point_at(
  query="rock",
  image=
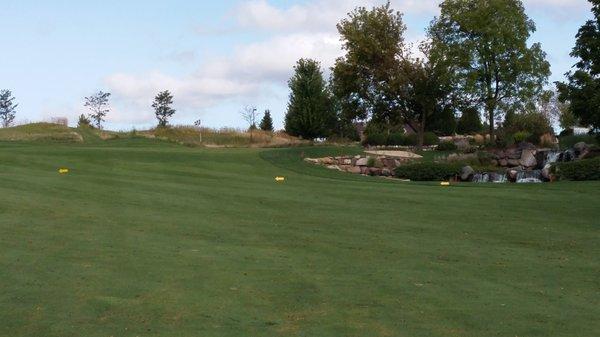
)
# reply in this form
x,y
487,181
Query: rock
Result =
x,y
312,161
547,172
346,161
528,158
591,153
494,162
513,154
362,162
466,174
503,162
328,161
526,146
354,169
512,175
375,171
513,162
386,172
363,169
581,147
462,144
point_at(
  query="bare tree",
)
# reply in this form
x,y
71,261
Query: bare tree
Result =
x,y
98,104
250,115
7,108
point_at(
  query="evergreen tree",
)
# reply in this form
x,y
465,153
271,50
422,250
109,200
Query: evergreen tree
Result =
x,y
266,124
469,122
582,92
310,114
7,108
162,107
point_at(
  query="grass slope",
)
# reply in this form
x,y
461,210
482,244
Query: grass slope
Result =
x,y
145,238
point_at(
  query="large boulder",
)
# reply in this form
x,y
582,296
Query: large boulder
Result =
x,y
513,154
354,169
312,160
513,162
466,174
362,162
503,162
526,146
528,158
328,161
581,147
547,172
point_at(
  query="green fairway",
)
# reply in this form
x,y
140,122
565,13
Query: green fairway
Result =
x,y
144,238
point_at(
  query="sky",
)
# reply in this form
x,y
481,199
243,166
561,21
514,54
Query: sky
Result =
x,y
215,56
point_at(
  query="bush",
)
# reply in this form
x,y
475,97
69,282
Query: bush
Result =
x,y
447,146
568,142
397,138
579,170
521,136
376,139
428,171
430,138
532,123
84,122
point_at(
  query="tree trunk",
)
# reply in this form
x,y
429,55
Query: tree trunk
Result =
x,y
421,138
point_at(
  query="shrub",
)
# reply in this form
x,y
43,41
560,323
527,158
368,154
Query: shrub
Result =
x,y
430,138
397,138
371,162
570,141
428,171
533,123
447,146
521,136
376,139
84,122
582,170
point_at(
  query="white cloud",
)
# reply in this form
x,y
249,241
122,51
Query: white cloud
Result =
x,y
251,70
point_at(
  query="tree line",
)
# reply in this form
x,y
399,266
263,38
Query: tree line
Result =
x,y
476,61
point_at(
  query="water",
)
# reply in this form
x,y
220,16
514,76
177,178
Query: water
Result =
x,y
529,177
498,178
481,178
552,157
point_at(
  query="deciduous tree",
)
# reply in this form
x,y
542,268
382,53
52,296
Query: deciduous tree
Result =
x,y
99,106
367,78
487,41
582,91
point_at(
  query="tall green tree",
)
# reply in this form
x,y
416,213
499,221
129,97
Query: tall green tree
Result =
x,y
99,107
8,108
266,124
487,41
366,80
469,121
582,91
310,114
426,94
162,106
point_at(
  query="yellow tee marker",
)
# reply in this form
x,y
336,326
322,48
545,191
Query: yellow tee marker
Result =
x,y
445,183
279,179
63,171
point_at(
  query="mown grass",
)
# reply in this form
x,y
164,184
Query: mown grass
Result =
x,y
147,238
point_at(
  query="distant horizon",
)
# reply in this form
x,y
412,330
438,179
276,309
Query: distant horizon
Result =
x,y
214,57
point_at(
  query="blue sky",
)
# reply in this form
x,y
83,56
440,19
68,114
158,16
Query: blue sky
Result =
x,y
216,56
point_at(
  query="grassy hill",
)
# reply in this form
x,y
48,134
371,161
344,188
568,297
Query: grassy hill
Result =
x,y
183,135
148,238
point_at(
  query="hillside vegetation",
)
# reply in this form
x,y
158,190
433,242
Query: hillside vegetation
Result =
x,y
149,238
190,136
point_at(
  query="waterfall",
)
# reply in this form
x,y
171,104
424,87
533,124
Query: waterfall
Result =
x,y
525,177
498,178
481,178
552,157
